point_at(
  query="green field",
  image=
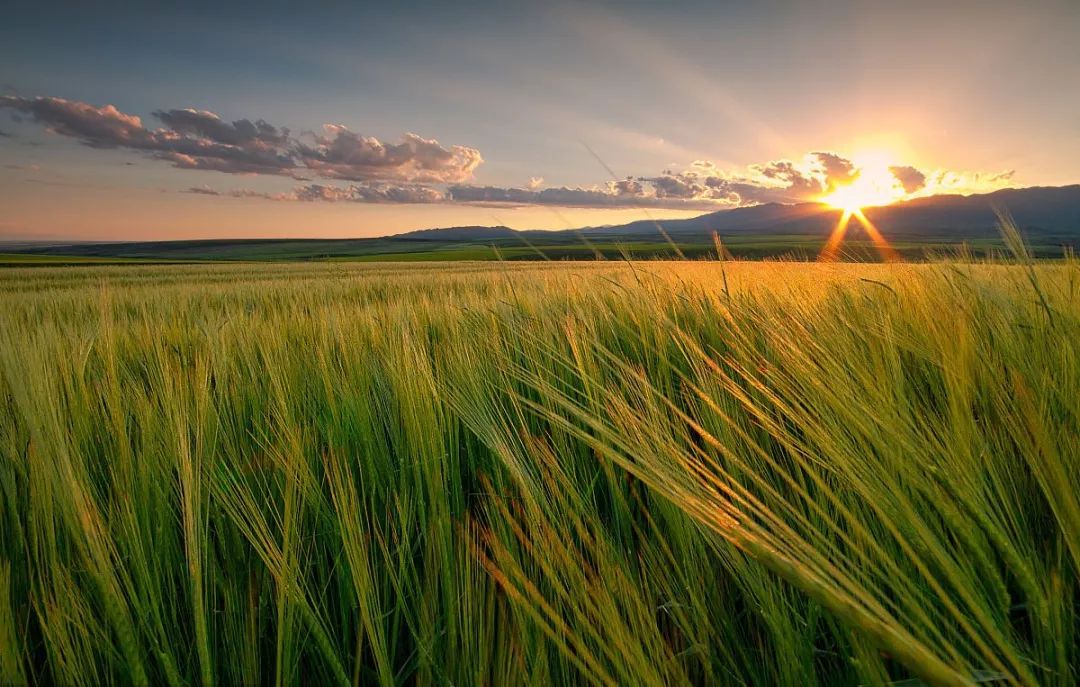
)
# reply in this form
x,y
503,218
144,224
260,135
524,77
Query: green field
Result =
x,y
32,260
654,473
554,246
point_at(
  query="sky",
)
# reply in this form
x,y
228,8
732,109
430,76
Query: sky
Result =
x,y
131,121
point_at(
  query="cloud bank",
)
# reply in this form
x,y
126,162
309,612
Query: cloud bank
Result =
x,y
369,192
418,170
198,139
342,154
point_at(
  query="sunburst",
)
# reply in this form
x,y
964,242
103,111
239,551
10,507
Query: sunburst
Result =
x,y
873,185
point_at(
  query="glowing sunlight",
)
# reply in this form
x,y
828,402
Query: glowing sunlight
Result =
x,y
831,251
874,184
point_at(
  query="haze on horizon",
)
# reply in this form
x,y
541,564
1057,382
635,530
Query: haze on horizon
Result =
x,y
340,119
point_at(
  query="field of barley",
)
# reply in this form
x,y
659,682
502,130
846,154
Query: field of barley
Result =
x,y
540,474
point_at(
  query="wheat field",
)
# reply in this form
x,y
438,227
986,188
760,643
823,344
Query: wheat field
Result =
x,y
655,473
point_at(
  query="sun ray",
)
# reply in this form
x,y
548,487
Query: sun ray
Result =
x,y
829,252
884,248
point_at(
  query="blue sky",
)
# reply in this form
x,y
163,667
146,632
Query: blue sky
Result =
x,y
972,95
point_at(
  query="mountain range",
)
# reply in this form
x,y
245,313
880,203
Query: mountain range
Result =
x,y
1053,210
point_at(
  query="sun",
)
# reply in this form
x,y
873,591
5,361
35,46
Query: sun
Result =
x,y
874,184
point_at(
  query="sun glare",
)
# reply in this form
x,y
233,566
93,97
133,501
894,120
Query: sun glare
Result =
x,y
874,185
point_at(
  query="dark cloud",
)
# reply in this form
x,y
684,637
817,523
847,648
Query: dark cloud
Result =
x,y
198,139
910,178
343,154
240,193
617,194
4,134
629,193
229,149
355,193
629,187
371,193
703,186
493,194
208,125
331,194
608,196
97,127
670,185
837,170
215,157
696,184
391,193
779,181
417,169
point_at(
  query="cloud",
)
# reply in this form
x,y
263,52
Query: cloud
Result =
x,y
616,194
371,192
342,154
627,193
817,174
787,181
208,125
201,140
393,193
779,181
240,193
949,181
197,144
421,170
836,170
463,193
214,157
910,178
704,185
629,187
4,134
670,185
97,127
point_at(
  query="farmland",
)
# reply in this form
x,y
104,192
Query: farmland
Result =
x,y
610,472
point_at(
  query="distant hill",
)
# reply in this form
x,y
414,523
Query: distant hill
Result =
x,y
1048,216
1046,211
474,233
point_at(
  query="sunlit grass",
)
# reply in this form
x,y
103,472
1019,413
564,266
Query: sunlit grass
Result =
x,y
648,473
